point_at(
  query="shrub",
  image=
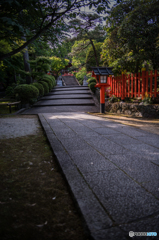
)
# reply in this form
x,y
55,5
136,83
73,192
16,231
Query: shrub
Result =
x,y
49,82
91,79
114,99
92,86
45,86
25,92
46,76
89,75
80,75
39,86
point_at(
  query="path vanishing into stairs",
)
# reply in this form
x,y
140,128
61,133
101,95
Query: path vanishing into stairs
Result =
x,y
70,98
112,169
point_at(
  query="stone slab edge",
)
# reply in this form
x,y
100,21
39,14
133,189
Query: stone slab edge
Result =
x,y
95,100
97,222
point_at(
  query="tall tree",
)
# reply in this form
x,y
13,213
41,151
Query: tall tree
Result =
x,y
132,28
33,18
88,29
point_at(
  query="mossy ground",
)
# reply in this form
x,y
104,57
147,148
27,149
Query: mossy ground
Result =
x,y
35,203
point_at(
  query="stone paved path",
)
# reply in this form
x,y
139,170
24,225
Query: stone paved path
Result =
x,y
112,170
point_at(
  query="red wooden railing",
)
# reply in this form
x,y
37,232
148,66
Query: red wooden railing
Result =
x,y
134,85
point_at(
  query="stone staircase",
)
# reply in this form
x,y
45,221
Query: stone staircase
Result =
x,y
70,80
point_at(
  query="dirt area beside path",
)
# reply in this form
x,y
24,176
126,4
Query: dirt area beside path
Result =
x,y
147,124
35,203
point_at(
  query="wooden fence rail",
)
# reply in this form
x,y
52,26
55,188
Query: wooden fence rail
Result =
x,y
134,85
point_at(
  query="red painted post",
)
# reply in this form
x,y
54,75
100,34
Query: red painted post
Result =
x,y
113,86
143,83
135,90
118,87
110,85
102,99
147,77
132,85
138,84
151,84
121,86
155,88
129,85
122,94
125,82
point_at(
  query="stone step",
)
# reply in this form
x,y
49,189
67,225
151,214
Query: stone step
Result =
x,y
70,96
61,102
69,89
70,80
59,109
70,92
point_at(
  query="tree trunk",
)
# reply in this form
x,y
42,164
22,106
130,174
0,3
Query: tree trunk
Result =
x,y
26,64
95,53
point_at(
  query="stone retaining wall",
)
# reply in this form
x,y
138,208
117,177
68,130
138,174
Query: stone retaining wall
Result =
x,y
133,109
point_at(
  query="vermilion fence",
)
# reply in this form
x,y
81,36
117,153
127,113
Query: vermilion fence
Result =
x,y
134,85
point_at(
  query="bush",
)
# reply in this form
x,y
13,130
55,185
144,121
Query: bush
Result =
x,y
49,82
89,75
91,79
114,99
39,86
92,86
25,92
80,75
46,76
45,86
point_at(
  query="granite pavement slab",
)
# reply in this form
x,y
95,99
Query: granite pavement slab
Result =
x,y
122,197
111,172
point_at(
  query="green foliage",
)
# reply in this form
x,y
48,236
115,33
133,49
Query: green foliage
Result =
x,y
87,34
45,86
50,78
26,93
57,64
80,75
39,86
92,86
10,91
114,99
91,79
45,20
40,66
132,31
89,75
147,99
79,52
49,82
90,58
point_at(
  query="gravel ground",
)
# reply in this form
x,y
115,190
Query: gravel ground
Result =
x,y
18,126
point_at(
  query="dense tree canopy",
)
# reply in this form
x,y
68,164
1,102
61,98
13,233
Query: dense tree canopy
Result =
x,y
132,28
87,30
35,18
